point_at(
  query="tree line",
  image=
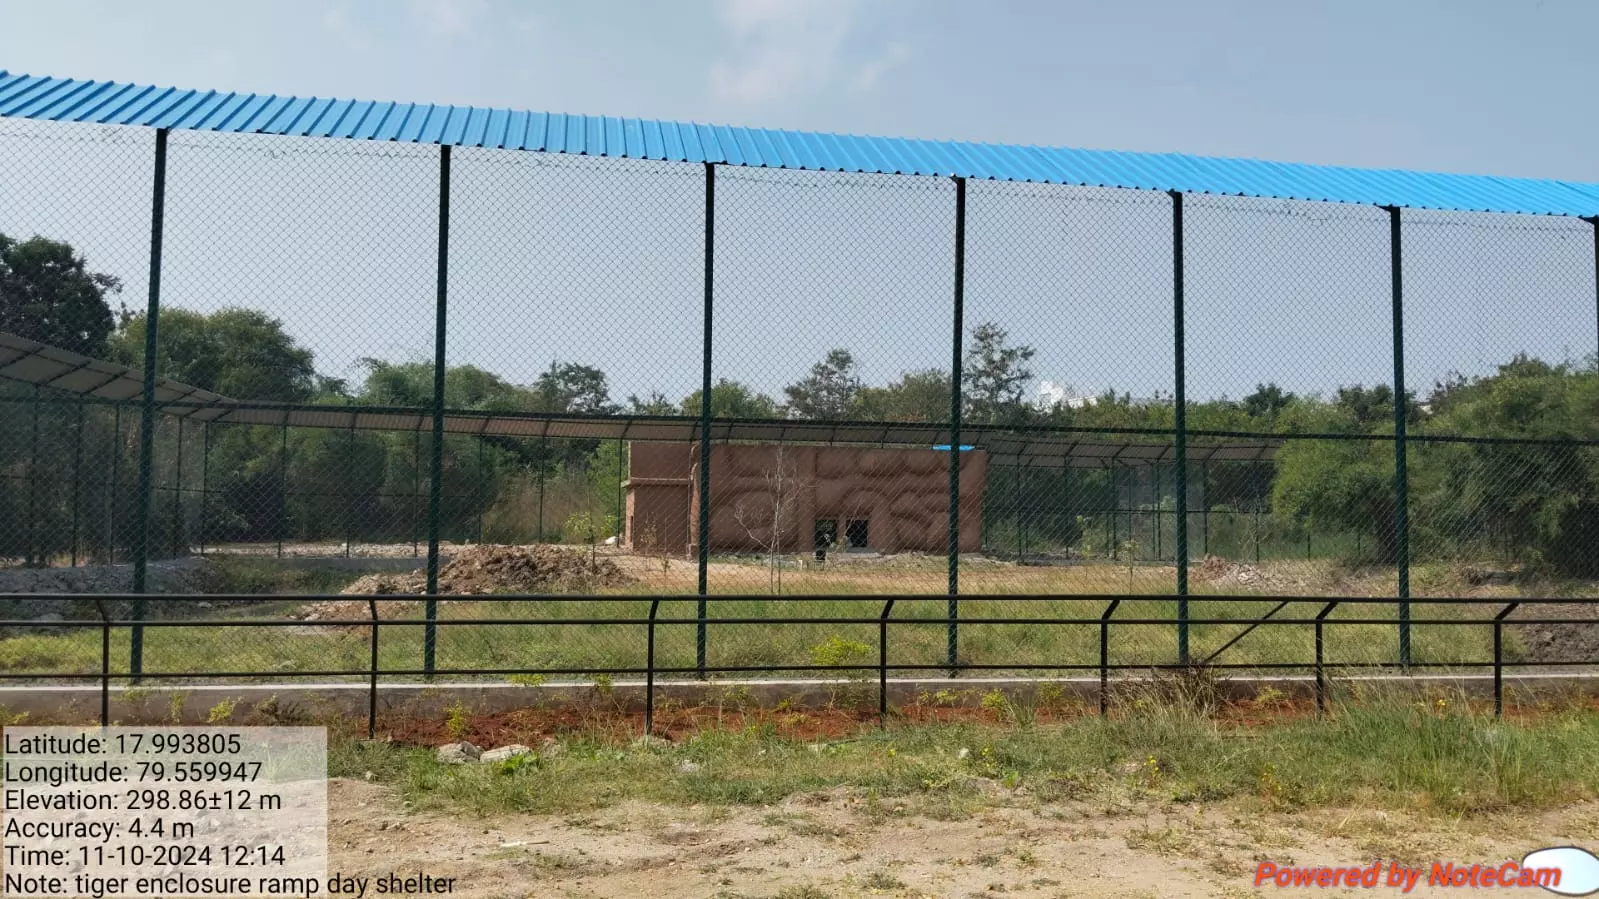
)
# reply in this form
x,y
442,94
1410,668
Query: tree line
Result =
x,y
1536,502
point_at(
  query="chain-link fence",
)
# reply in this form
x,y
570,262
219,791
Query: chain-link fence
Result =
x,y
386,368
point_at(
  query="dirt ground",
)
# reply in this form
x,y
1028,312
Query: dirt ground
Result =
x,y
840,844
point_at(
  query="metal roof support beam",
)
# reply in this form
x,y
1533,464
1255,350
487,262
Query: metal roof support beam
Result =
x,y
141,530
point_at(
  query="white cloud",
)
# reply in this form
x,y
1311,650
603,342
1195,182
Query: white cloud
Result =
x,y
447,18
782,47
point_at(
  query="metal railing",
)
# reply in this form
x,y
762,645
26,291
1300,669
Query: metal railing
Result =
x,y
883,620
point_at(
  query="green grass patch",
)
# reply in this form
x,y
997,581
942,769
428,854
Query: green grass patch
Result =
x,y
1380,752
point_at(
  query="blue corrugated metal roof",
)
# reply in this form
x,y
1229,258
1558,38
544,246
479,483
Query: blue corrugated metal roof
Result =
x,y
110,103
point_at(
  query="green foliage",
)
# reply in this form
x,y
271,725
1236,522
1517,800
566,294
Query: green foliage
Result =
x,y
48,294
730,399
996,376
829,391
243,354
917,396
837,652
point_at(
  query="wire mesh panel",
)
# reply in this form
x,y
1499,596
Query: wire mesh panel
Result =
x,y
300,310
1069,333
74,249
1500,340
832,301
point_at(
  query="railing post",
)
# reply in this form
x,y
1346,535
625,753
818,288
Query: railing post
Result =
x,y
1401,461
882,663
430,634
1321,680
152,316
703,531
1180,407
649,671
1104,657
105,662
1499,665
372,687
952,635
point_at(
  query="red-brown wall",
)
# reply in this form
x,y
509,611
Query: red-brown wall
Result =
x,y
756,489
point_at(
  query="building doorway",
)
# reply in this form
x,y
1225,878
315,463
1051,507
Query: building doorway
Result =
x,y
826,536
857,533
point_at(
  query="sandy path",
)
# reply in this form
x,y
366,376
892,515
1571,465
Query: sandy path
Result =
x,y
837,845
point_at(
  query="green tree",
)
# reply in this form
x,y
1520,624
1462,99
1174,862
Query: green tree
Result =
x,y
918,396
996,377
730,399
48,294
572,388
244,354
829,391
1267,401
654,404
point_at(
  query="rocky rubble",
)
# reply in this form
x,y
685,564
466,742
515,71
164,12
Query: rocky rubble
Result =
x,y
478,571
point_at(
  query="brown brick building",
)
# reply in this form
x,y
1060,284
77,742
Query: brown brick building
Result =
x,y
884,500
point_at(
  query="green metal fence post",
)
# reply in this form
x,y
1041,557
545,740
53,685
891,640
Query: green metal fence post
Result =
x,y
703,530
350,496
1593,222
113,511
1401,484
77,483
481,494
1115,513
416,491
1180,405
141,533
205,479
35,552
435,489
544,459
283,482
621,504
952,635
1016,512
177,498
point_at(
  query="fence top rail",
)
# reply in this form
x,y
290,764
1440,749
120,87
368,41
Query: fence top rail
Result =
x,y
792,598
319,119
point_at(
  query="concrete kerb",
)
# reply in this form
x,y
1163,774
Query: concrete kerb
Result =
x,y
207,703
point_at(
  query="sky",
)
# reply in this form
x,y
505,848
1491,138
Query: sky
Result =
x,y
340,245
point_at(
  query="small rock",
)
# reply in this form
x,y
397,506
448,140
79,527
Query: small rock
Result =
x,y
551,748
368,776
458,753
688,767
506,753
964,752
